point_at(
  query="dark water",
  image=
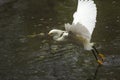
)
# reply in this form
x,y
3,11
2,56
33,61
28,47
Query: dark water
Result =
x,y
28,53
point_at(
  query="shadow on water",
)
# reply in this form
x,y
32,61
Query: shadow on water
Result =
x,y
28,53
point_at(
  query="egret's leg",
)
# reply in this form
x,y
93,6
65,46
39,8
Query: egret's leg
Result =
x,y
94,53
99,54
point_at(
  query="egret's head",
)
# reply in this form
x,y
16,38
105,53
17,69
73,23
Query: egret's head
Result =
x,y
58,35
55,32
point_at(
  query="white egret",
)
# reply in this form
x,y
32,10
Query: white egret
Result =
x,y
84,20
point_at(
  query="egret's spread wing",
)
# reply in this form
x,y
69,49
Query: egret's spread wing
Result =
x,y
86,14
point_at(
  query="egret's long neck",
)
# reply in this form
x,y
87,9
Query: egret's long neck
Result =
x,y
61,37
58,35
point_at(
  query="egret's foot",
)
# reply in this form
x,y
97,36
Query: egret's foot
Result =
x,y
101,56
100,62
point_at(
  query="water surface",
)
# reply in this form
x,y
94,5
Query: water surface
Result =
x,y
28,53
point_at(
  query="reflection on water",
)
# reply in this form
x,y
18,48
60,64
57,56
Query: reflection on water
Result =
x,y
28,53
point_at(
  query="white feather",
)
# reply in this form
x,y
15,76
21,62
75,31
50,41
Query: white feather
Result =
x,y
86,14
82,26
